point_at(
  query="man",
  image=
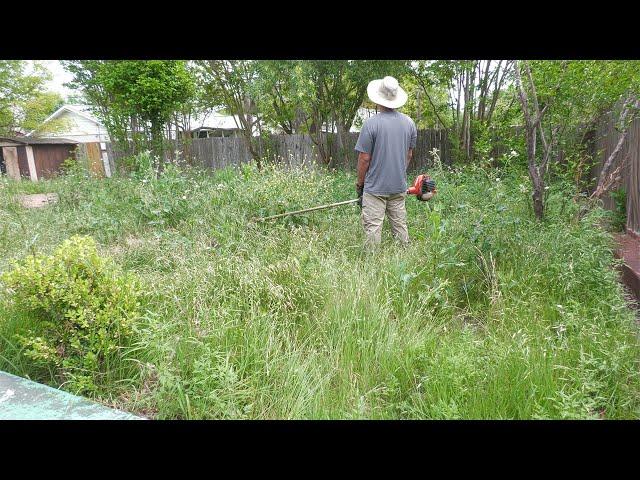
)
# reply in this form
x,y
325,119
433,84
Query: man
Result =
x,y
385,147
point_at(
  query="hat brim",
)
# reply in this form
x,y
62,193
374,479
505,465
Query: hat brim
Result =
x,y
374,95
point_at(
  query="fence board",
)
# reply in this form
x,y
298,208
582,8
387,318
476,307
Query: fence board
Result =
x,y
605,142
289,150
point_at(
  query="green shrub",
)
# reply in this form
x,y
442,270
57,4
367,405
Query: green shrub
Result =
x,y
166,200
68,165
84,312
76,169
487,314
140,165
619,220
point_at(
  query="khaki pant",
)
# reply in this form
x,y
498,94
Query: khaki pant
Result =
x,y
374,208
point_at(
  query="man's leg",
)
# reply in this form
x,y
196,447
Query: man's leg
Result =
x,y
397,215
373,208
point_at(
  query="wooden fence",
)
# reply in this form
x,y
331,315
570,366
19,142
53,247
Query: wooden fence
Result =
x,y
291,150
294,150
605,141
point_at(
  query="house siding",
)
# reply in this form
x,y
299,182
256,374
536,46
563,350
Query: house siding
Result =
x,y
80,129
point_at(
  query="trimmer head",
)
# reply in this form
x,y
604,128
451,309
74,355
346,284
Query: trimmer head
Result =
x,y
424,188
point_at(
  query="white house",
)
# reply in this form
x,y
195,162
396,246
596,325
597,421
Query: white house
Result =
x,y
215,124
361,115
79,125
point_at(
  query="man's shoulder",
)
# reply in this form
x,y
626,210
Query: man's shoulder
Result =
x,y
407,118
371,120
370,123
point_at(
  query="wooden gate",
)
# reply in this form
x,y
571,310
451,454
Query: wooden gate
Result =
x,y
91,154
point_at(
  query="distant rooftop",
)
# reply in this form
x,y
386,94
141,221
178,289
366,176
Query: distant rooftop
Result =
x,y
215,120
82,109
38,141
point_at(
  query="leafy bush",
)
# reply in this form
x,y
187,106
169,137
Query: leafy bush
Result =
x,y
84,311
486,314
70,166
619,220
141,164
166,200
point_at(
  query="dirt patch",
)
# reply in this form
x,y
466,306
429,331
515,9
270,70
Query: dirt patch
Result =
x,y
628,249
37,200
134,242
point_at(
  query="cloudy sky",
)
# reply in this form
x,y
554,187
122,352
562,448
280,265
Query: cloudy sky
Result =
x,y
60,76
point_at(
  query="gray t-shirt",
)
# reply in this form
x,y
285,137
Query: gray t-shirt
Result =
x,y
387,137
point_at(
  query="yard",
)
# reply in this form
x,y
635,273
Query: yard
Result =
x,y
488,314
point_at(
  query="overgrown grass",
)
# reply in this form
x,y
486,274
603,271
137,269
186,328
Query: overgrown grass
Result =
x,y
487,314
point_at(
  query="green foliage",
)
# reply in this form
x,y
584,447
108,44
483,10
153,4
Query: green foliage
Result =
x,y
275,91
153,89
427,104
166,201
486,314
73,168
85,312
619,197
337,88
141,165
562,102
141,93
465,96
577,92
41,107
23,101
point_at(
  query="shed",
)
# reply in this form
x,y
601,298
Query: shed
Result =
x,y
34,158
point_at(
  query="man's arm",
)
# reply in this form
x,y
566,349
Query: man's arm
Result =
x,y
409,157
364,159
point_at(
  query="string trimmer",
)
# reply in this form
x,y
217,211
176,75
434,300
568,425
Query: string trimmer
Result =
x,y
424,188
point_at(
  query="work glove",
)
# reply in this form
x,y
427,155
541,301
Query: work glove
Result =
x,y
360,191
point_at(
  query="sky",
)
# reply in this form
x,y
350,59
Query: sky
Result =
x,y
60,76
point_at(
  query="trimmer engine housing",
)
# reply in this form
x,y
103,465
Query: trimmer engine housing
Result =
x,y
424,188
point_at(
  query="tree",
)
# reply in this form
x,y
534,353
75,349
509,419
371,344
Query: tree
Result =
x,y
332,91
37,109
89,78
561,102
533,116
135,96
154,89
23,99
474,88
274,91
607,178
228,84
297,96
580,94
427,103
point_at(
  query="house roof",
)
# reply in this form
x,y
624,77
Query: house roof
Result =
x,y
215,120
82,110
361,115
38,141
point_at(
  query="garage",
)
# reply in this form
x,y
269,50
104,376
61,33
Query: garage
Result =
x,y
34,158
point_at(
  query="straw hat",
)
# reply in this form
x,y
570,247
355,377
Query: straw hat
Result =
x,y
387,92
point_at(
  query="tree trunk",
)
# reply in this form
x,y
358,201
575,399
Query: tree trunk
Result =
x,y
605,171
158,144
537,195
341,133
